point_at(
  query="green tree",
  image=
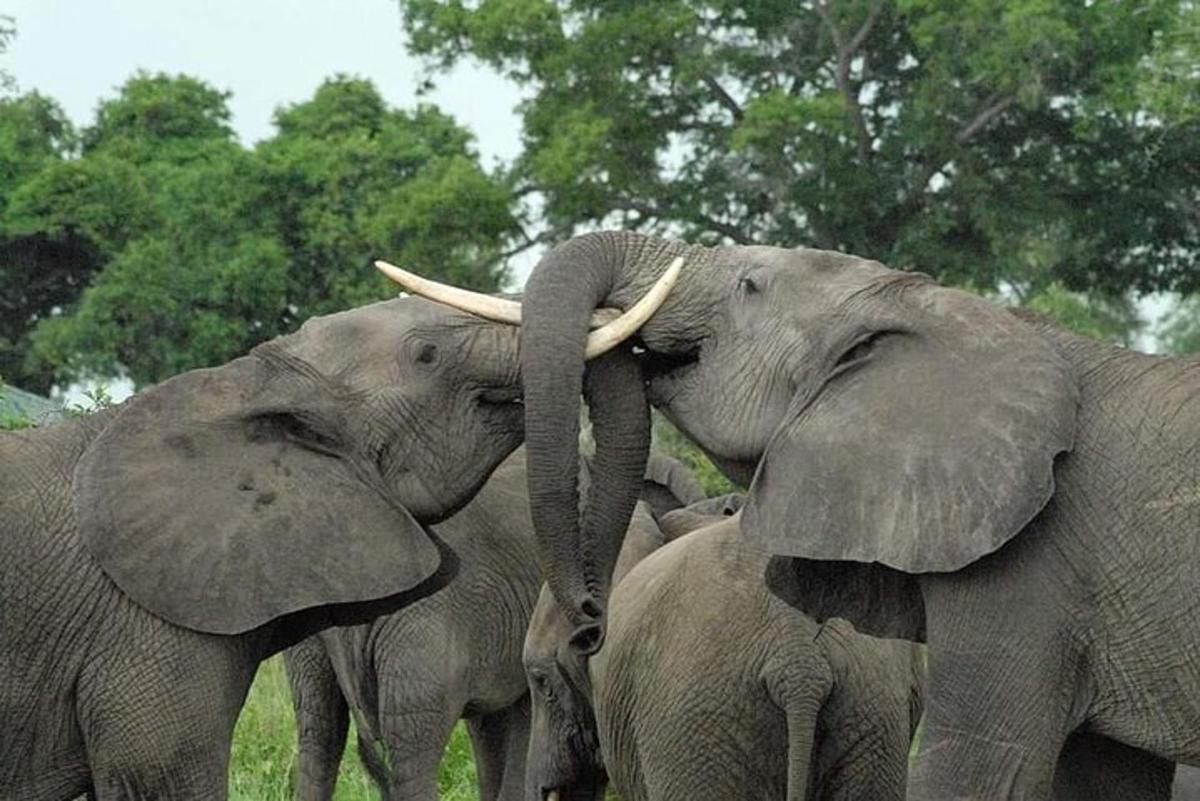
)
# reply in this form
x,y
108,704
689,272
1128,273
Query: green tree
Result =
x,y
351,180
8,32
1104,317
1168,78
42,268
160,118
75,202
997,143
209,248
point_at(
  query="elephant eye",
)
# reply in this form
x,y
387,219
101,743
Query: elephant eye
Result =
x,y
541,685
296,428
427,353
748,286
863,348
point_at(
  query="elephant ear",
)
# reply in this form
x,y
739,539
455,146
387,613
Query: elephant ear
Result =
x,y
928,453
206,505
668,485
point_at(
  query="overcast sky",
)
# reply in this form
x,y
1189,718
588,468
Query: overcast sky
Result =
x,y
267,52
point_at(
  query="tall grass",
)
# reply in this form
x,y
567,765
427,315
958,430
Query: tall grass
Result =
x,y
263,761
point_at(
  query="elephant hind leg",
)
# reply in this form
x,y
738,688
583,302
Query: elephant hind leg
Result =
x,y
415,721
322,719
499,741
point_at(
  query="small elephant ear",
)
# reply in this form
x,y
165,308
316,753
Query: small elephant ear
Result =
x,y
202,508
641,539
679,522
669,485
933,451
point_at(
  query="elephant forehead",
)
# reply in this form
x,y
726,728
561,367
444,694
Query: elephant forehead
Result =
x,y
368,334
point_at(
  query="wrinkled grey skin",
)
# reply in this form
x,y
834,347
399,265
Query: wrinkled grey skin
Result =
x,y
409,676
708,687
1028,491
345,437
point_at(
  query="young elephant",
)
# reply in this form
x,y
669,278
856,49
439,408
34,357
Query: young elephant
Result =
x,y
411,675
708,687
153,554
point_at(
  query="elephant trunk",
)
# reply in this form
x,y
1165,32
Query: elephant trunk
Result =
x,y
567,285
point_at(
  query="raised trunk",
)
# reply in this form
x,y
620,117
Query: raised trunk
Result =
x,y
587,272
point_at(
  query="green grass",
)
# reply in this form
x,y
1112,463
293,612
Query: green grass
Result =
x,y
263,761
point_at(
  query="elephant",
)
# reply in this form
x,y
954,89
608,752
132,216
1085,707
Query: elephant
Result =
x,y
709,687
409,676
152,554
976,477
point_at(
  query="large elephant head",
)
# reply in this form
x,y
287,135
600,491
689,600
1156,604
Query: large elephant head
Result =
x,y
301,476
875,416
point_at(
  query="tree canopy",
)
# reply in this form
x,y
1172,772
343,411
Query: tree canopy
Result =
x,y
1023,144
152,242
1044,150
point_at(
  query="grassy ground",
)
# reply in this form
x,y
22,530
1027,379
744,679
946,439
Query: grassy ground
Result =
x,y
263,763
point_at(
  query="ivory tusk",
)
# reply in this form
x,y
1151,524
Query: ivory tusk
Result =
x,y
552,795
614,333
486,306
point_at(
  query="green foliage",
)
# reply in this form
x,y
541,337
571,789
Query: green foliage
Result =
x,y
94,400
263,759
1096,316
1179,329
994,143
12,421
8,32
669,439
1168,80
155,243
160,116
40,270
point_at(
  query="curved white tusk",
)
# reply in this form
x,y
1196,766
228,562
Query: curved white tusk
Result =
x,y
492,308
608,337
552,795
499,309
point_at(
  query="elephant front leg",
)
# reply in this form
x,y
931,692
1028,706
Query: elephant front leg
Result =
x,y
1002,696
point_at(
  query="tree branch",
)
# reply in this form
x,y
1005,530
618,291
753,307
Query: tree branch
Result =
x,y
992,109
724,229
723,97
845,55
865,30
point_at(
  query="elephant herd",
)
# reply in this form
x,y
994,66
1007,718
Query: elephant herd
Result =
x,y
957,515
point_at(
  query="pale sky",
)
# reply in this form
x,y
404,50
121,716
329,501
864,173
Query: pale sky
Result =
x,y
267,52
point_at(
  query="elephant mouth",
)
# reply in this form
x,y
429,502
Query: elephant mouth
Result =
x,y
668,374
503,407
502,396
